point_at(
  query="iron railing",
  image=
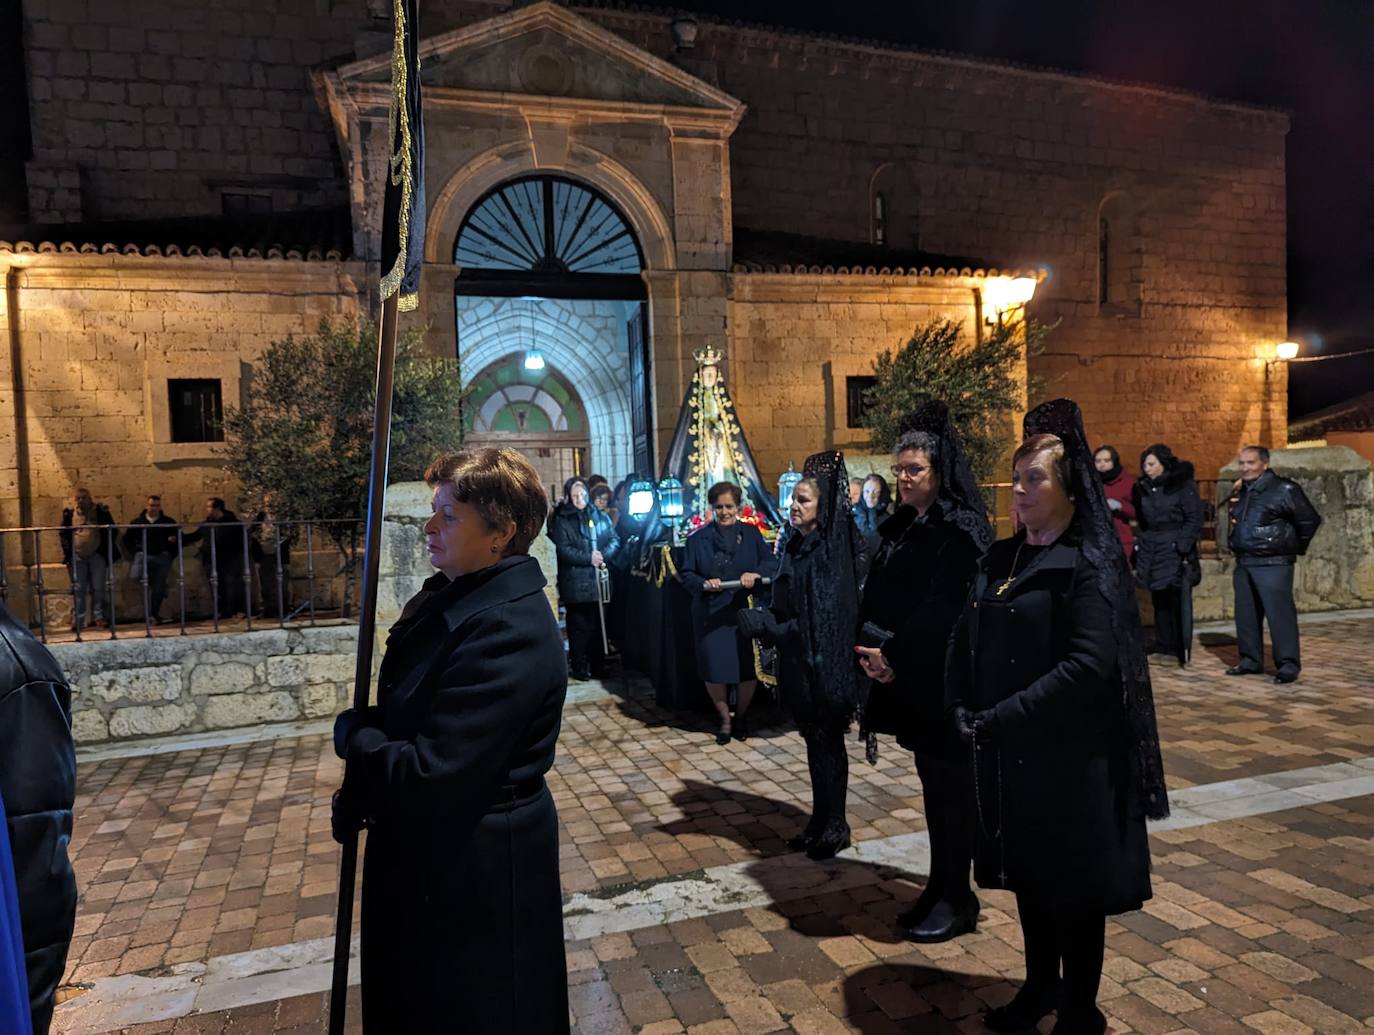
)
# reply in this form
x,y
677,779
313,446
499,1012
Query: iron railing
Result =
x,y
299,572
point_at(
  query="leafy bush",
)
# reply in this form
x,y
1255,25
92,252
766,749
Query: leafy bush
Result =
x,y
304,431
976,379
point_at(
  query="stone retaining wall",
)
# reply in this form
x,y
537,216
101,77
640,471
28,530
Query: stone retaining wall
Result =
x,y
131,688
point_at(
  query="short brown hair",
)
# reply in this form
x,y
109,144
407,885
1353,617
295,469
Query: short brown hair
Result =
x,y
720,489
500,485
1059,457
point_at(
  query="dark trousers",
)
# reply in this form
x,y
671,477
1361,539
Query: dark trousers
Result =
x,y
1076,940
268,581
158,567
1266,592
584,639
945,788
229,592
829,765
1167,616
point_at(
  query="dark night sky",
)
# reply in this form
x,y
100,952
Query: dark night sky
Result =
x,y
1313,58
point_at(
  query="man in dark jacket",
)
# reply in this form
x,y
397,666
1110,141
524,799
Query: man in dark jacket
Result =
x,y
152,543
1272,523
38,785
224,562
88,550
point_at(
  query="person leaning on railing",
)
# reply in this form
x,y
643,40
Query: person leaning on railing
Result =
x,y
221,556
88,550
269,544
151,540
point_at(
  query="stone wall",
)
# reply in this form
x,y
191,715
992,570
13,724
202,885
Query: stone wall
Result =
x,y
1337,571
1015,167
92,341
795,338
132,688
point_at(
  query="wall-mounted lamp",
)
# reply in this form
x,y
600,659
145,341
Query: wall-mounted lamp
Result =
x,y
1287,350
1003,294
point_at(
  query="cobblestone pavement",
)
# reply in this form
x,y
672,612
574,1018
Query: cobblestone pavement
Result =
x,y
1263,916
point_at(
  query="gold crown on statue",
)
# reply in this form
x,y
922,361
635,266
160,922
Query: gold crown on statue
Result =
x,y
708,357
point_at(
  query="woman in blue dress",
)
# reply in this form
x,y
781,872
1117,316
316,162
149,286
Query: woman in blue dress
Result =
x,y
726,550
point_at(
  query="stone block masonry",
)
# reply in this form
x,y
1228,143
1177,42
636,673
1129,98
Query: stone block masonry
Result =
x,y
132,688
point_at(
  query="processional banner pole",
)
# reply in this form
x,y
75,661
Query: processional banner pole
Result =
x,y
402,250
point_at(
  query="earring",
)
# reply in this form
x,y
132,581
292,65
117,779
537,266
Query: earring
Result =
x,y
495,548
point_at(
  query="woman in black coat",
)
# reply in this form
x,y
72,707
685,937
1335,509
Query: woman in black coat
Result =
x,y
814,622
584,540
1047,678
917,584
1169,513
726,550
462,918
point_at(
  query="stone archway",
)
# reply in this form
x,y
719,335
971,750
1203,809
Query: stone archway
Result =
x,y
574,338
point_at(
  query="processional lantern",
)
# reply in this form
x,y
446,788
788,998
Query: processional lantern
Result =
x,y
786,484
641,499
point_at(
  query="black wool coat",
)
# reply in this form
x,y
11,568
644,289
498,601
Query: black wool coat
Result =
x,y
1169,512
724,655
462,914
1052,815
573,543
38,785
918,583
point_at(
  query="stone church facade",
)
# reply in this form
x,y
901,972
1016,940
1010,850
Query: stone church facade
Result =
x,y
803,201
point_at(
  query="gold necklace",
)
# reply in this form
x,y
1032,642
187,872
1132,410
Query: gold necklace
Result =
x,y
1011,576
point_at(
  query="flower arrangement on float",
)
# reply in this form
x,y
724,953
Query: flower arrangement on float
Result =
x,y
747,514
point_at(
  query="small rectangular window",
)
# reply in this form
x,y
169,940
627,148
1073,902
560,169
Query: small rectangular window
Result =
x,y
856,403
196,406
235,204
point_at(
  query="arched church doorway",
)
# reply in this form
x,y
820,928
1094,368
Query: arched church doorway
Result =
x,y
531,407
550,281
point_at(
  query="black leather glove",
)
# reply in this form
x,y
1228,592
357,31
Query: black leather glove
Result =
x,y
349,722
345,818
987,726
964,724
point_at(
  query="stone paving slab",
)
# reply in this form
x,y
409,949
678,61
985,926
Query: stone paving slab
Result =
x,y
186,857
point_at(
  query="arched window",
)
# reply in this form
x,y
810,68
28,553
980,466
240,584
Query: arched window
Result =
x,y
513,397
547,224
879,217
1119,257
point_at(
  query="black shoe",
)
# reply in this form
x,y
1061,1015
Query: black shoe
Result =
x,y
1025,1010
579,675
741,728
1093,1022
919,909
801,842
943,923
1244,670
1286,675
829,844
723,737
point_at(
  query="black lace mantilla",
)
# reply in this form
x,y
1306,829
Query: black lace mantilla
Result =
x,y
963,502
830,624
1100,546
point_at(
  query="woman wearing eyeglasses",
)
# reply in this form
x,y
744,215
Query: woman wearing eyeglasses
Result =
x,y
926,558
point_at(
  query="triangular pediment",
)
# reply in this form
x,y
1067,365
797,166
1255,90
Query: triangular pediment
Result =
x,y
546,51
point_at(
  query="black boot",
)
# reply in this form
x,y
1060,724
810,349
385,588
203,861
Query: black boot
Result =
x,y
1025,1011
830,842
1080,1022
944,922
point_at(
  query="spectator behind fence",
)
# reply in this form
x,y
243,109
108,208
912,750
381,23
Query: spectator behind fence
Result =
x,y
1272,523
221,555
151,540
38,785
88,553
270,542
